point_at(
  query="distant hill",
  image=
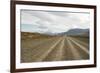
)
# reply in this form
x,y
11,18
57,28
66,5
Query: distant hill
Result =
x,y
76,32
30,35
71,32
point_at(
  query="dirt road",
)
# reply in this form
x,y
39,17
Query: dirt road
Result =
x,y
55,49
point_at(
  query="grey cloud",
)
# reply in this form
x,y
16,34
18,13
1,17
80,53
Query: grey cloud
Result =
x,y
53,22
40,15
59,13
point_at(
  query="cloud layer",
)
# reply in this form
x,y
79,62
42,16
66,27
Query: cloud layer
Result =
x,y
52,22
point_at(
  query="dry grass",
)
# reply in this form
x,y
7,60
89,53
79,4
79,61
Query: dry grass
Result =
x,y
37,47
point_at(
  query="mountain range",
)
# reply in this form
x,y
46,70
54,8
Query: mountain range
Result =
x,y
76,31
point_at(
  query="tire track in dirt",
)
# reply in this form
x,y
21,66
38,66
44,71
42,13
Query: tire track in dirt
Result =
x,y
45,54
54,49
74,50
80,45
56,53
31,54
79,41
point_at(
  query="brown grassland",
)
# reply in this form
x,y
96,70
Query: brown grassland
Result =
x,y
37,47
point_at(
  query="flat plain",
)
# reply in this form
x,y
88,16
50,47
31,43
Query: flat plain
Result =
x,y
37,47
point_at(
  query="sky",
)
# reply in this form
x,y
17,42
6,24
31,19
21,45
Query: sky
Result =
x,y
52,22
